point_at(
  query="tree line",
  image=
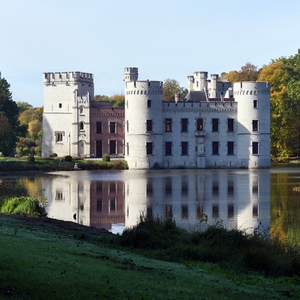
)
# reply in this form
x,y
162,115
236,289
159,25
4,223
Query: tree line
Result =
x,y
21,124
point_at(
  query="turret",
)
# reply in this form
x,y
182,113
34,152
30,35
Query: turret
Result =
x,y
131,74
253,100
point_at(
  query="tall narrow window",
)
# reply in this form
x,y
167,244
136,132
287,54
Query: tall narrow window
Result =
x,y
215,124
112,147
168,150
184,148
230,123
255,104
149,125
254,147
148,103
168,125
230,150
60,105
99,127
112,127
199,124
215,148
184,125
254,125
81,125
149,148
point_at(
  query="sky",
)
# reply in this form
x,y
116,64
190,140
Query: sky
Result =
x,y
163,38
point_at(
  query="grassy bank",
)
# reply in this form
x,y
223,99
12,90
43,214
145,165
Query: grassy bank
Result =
x,y
56,164
40,260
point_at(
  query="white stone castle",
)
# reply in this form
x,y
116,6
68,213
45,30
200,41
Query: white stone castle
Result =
x,y
216,126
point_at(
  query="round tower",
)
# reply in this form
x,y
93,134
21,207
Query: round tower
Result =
x,y
143,124
253,116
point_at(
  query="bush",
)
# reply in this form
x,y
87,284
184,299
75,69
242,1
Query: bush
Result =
x,y
38,150
53,154
31,159
68,158
24,206
106,158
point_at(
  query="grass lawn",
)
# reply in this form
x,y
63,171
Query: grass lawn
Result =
x,y
49,262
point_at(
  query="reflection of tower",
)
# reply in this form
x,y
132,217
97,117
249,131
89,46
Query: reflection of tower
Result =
x,y
143,119
107,204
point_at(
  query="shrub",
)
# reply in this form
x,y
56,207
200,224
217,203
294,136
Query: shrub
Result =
x,y
38,150
31,159
106,158
68,158
53,154
28,206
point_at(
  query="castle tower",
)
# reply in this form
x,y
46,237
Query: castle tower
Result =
x,y
131,74
66,115
253,116
213,86
143,122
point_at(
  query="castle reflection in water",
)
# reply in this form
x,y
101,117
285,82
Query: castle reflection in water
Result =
x,y
193,198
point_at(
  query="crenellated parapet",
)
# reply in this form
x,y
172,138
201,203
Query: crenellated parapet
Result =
x,y
145,87
250,88
54,78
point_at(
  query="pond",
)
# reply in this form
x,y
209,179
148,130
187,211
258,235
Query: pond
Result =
x,y
246,199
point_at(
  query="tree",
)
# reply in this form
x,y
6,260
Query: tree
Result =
x,y
117,100
101,98
6,131
31,114
248,72
171,88
284,77
10,109
23,106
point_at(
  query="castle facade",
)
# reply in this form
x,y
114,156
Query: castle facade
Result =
x,y
216,126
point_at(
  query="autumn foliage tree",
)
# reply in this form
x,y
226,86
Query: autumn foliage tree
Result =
x,y
32,119
117,100
248,72
284,77
171,88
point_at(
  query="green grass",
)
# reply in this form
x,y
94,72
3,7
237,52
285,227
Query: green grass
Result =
x,y
49,263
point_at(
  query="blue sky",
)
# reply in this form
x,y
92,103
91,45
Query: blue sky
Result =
x,y
163,38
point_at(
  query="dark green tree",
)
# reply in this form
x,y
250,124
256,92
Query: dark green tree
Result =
x,y
11,111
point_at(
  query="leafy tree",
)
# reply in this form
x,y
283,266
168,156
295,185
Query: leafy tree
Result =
x,y
171,88
31,114
11,111
117,100
23,106
248,72
101,98
34,129
284,77
6,131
